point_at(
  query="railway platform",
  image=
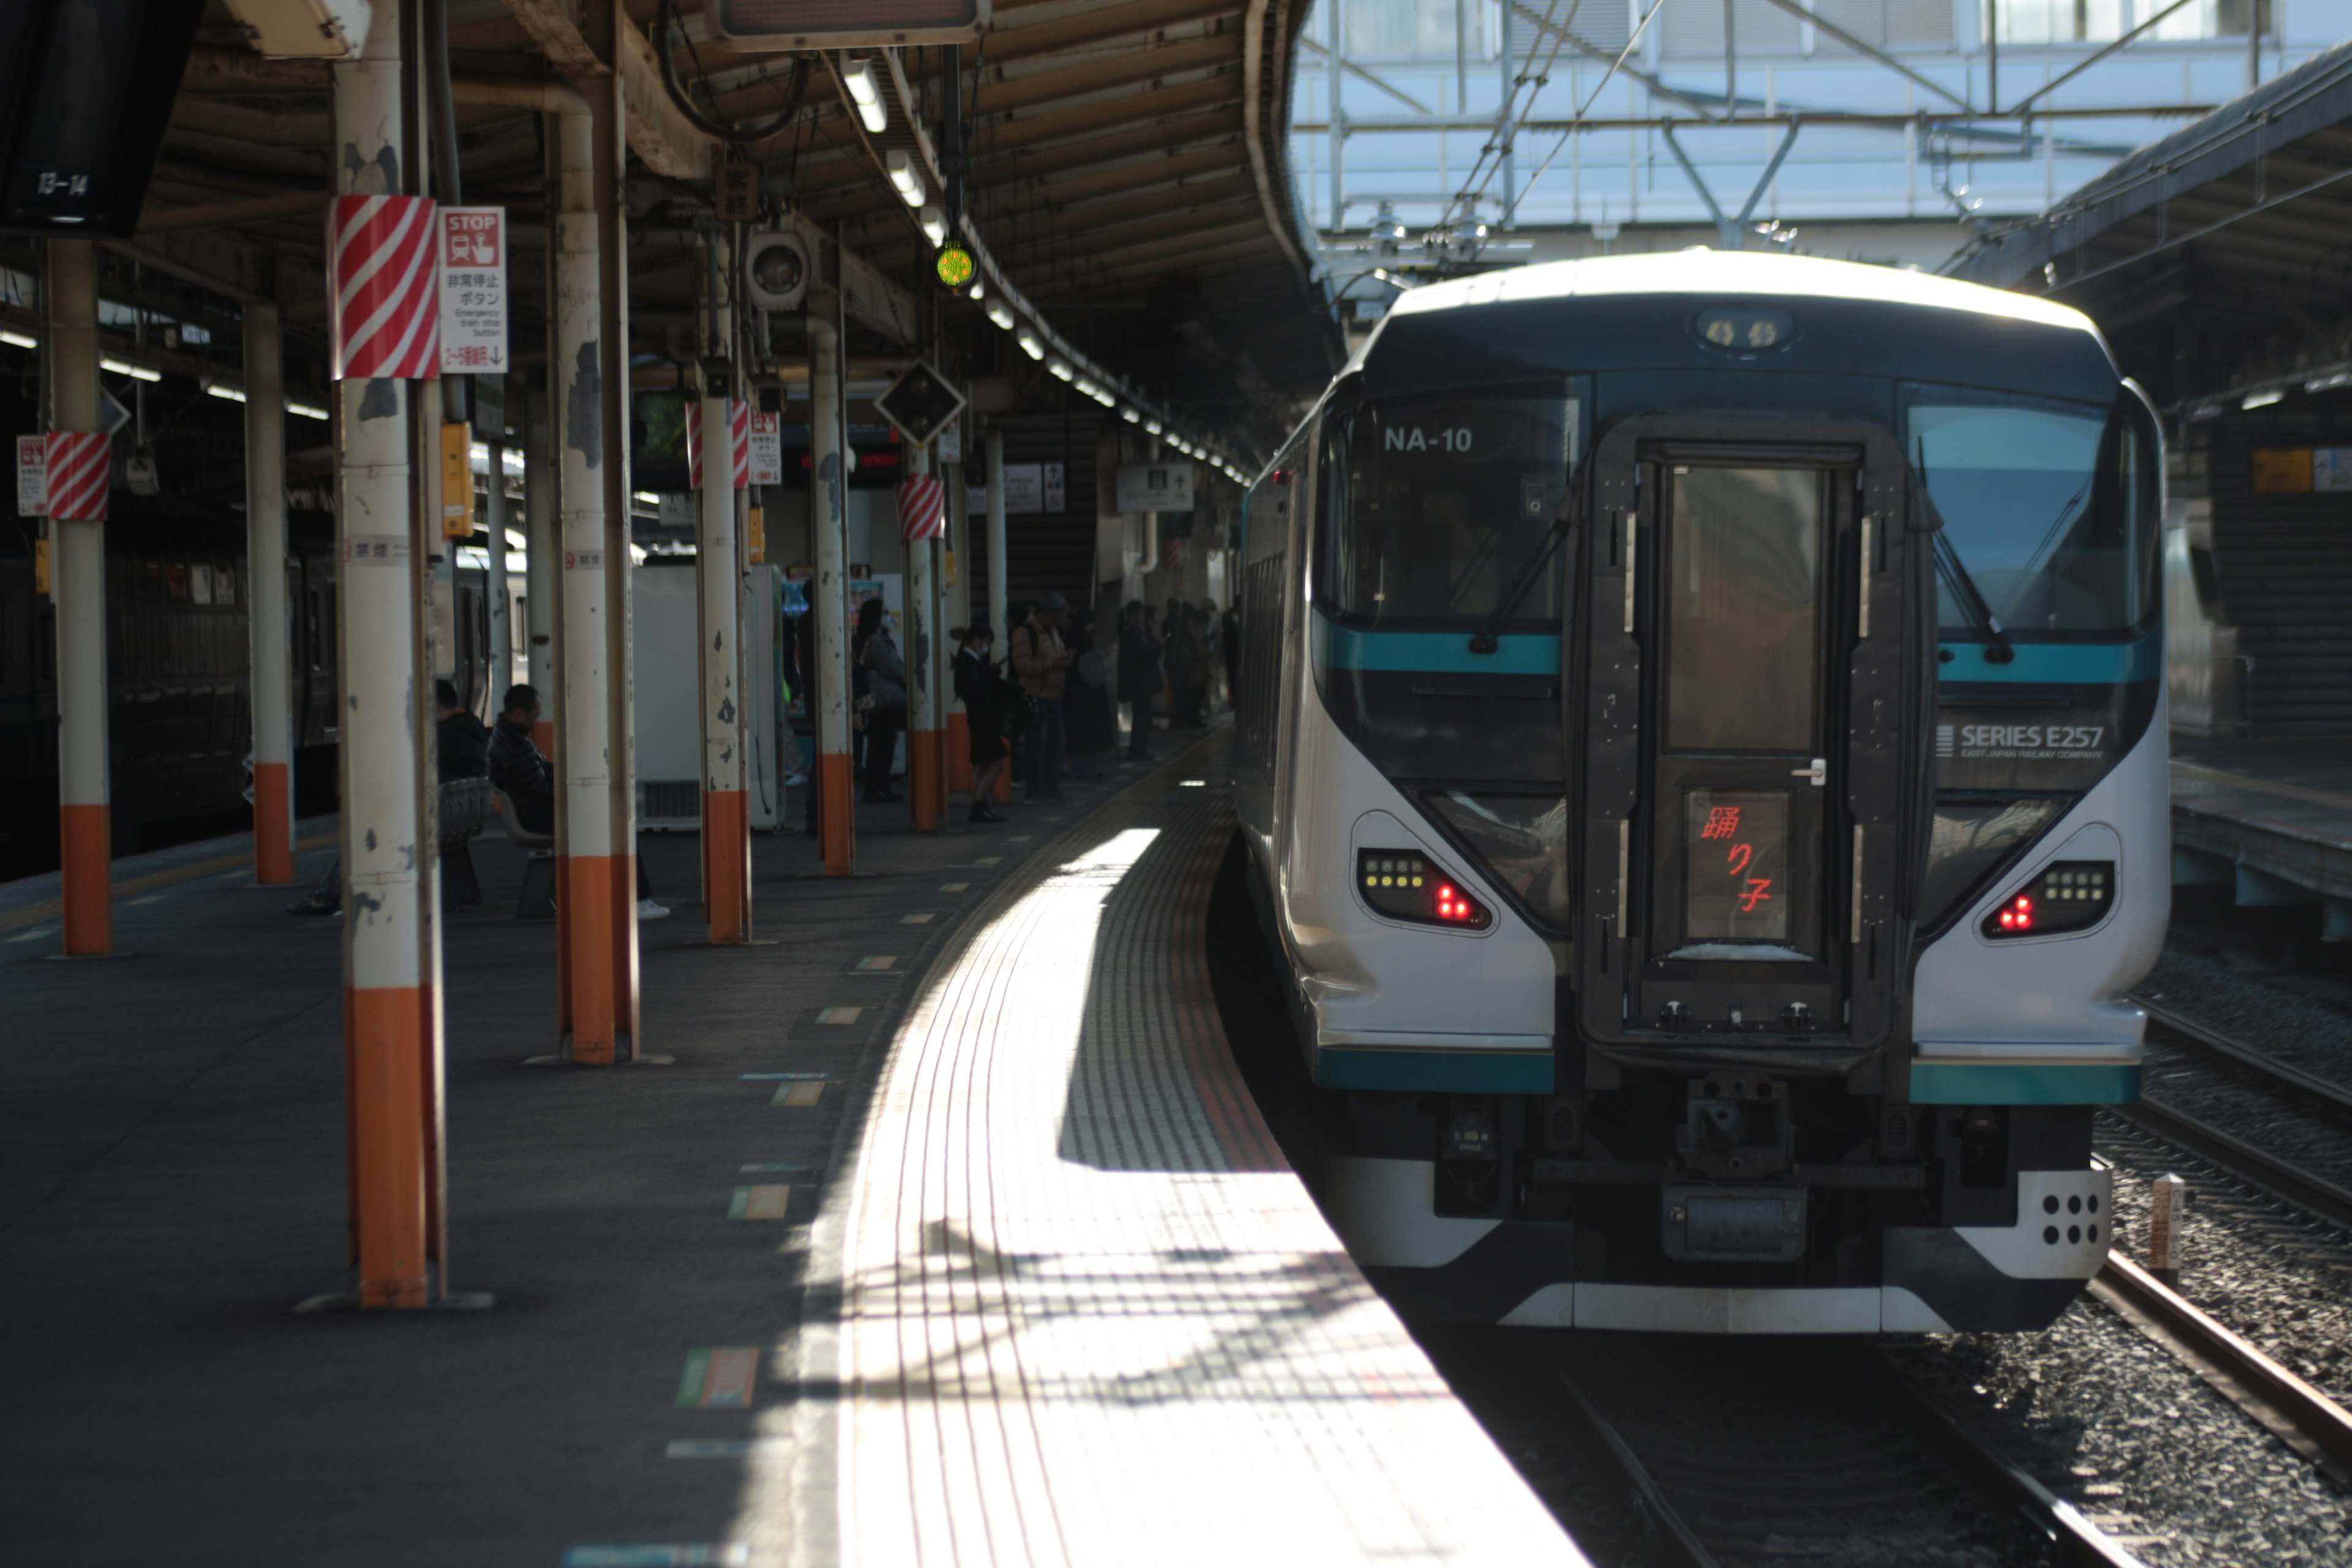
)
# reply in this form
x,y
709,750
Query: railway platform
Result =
x,y
947,1234
2270,819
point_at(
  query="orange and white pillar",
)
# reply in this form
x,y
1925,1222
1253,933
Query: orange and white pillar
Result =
x,y
726,829
391,1028
78,470
829,520
595,871
269,629
923,691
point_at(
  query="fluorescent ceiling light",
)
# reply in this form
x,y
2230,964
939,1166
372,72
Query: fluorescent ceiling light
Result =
x,y
223,390
906,176
1061,368
934,219
1102,395
1131,413
307,410
2263,399
867,93
18,340
999,313
135,371
648,497
1032,344
978,288
1152,426
1086,385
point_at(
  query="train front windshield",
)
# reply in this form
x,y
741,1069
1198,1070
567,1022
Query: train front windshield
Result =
x,y
1436,505
2051,508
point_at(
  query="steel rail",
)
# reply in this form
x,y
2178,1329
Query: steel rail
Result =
x,y
2301,1415
2240,1158
1683,1543
2262,1061
2080,1544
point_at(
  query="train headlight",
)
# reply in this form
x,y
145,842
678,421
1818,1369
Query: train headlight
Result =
x,y
1406,885
2067,895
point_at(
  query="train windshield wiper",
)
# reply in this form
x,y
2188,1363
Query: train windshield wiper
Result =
x,y
1955,572
1486,640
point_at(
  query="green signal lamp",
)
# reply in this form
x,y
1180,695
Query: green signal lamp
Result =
x,y
955,266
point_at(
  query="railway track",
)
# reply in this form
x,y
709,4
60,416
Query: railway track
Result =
x,y
1816,1451
2307,1097
2300,1414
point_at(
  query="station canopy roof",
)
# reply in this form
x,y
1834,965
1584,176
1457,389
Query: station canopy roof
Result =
x,y
1127,174
2217,260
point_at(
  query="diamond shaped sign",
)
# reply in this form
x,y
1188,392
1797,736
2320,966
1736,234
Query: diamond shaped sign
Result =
x,y
920,403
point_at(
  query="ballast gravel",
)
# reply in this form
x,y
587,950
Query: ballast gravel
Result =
x,y
2110,1421
2270,1272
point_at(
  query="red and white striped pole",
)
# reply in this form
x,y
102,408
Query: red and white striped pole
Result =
x,y
921,515
79,464
385,312
265,596
720,464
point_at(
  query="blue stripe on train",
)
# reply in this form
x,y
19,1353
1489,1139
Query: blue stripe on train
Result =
x,y
2024,1083
1435,653
1445,1071
1448,653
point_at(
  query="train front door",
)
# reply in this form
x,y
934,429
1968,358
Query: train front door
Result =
x,y
1745,719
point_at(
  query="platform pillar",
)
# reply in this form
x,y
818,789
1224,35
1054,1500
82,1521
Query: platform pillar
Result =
x,y
999,590
541,558
595,878
267,629
956,611
384,537
726,831
829,521
501,592
922,695
77,591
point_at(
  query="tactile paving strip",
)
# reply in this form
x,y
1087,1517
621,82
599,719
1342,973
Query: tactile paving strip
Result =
x,y
1088,1316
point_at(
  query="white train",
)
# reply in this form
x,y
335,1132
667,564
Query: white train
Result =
x,y
1701,758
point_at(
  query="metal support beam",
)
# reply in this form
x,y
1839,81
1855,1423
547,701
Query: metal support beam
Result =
x,y
1764,182
1812,18
393,1043
999,591
501,591
1726,228
78,590
956,611
541,587
269,629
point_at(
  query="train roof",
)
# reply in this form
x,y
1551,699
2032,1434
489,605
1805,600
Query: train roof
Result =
x,y
1719,274
1636,314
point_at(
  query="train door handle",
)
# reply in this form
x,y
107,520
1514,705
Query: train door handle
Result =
x,y
1819,773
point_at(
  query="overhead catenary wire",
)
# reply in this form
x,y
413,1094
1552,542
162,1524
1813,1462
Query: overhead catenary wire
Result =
x,y
1497,148
1590,98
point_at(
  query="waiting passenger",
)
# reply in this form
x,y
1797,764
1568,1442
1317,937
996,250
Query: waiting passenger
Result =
x,y
461,747
1138,677
522,770
986,701
1091,726
1042,661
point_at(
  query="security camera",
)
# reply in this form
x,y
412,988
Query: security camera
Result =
x,y
776,268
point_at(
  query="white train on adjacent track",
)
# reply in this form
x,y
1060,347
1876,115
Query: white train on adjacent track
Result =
x,y
1702,757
